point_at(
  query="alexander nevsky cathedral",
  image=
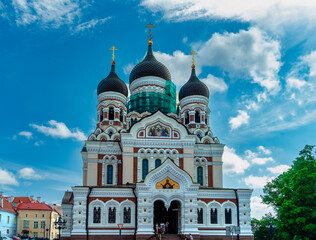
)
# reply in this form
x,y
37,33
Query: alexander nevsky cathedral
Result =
x,y
153,159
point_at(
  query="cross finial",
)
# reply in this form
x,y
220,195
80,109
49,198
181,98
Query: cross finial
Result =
x,y
193,53
150,26
113,56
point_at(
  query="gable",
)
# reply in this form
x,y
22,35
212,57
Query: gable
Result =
x,y
159,126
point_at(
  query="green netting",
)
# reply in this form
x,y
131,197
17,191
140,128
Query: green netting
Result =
x,y
153,101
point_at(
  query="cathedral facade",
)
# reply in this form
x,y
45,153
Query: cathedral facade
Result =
x,y
151,160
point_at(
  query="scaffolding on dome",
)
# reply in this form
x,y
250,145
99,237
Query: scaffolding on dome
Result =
x,y
153,101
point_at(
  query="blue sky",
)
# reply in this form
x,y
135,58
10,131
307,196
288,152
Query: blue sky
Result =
x,y
257,57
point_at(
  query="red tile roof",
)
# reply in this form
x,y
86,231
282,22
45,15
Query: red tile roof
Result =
x,y
33,206
7,206
23,199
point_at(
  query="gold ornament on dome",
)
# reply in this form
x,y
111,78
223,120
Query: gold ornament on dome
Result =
x,y
113,55
167,183
193,61
150,26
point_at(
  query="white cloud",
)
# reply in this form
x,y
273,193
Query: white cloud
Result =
x,y
279,169
128,68
256,182
255,159
233,164
262,161
38,143
250,54
26,134
90,24
29,173
277,16
215,84
59,130
241,119
46,12
264,150
178,64
295,83
7,178
259,209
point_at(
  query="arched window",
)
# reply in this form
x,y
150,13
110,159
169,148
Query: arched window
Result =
x,y
200,215
121,115
101,116
112,215
197,117
96,215
127,215
187,118
228,216
200,175
145,168
206,120
214,216
157,163
109,174
111,113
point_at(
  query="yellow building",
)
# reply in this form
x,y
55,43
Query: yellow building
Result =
x,y
36,220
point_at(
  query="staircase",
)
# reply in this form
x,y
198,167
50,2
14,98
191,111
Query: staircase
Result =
x,y
170,237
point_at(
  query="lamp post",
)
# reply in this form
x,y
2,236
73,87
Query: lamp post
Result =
x,y
271,228
60,224
230,230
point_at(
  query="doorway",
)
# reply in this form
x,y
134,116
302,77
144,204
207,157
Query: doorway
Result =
x,y
172,215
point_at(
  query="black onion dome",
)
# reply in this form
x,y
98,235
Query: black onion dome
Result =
x,y
149,67
112,83
193,87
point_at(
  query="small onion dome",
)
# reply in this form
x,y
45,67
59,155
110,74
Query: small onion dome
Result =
x,y
149,67
112,83
193,87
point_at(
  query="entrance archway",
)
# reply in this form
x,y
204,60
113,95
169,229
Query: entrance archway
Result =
x,y
172,215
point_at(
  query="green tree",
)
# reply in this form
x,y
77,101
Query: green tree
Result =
x,y
264,228
293,196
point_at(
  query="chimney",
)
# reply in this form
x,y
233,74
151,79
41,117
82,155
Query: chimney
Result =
x,y
1,199
12,198
39,199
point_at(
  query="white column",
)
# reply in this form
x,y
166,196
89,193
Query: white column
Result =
x,y
206,174
103,173
115,173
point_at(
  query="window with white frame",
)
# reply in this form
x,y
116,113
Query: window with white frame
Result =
x,y
200,175
213,214
97,215
112,215
25,224
127,211
200,215
144,168
109,174
228,216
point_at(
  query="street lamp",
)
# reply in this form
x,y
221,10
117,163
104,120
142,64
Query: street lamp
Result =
x,y
271,228
230,230
60,224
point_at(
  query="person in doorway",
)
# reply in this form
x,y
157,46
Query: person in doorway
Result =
x,y
191,237
159,233
156,228
167,227
162,226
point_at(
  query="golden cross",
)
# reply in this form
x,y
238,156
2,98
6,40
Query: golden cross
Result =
x,y
113,49
193,53
150,26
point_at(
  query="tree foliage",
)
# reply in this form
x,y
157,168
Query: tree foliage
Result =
x,y
293,196
264,228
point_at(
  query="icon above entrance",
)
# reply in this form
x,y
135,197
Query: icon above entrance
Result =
x,y
167,183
